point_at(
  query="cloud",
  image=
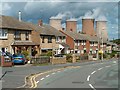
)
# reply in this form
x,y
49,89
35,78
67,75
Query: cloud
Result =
x,y
5,8
33,10
66,14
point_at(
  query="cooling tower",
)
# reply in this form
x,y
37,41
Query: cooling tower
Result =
x,y
101,29
88,26
56,23
71,25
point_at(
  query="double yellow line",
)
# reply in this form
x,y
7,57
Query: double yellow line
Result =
x,y
33,77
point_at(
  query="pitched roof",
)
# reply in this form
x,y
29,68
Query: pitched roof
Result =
x,y
79,36
46,30
13,23
75,35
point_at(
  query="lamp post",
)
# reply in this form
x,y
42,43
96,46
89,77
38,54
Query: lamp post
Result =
x,y
102,44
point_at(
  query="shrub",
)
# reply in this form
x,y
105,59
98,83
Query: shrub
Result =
x,y
49,53
69,57
25,53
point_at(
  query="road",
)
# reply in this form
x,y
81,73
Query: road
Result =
x,y
75,78
95,75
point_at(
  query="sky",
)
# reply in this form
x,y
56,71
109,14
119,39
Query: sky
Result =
x,y
33,10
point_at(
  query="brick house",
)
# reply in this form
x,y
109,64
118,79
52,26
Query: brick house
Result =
x,y
15,36
49,38
81,43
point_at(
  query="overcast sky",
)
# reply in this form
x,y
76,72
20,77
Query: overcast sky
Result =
x,y
33,10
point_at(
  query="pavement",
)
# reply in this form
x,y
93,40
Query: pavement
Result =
x,y
15,76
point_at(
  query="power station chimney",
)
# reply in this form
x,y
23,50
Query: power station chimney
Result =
x,y
101,29
20,16
56,23
88,26
71,25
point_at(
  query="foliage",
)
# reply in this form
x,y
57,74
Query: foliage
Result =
x,y
117,41
25,53
69,57
34,53
49,53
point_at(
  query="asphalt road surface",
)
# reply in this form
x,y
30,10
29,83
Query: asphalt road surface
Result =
x,y
95,75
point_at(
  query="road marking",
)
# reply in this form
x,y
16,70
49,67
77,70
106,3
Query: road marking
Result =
x,y
107,66
42,79
47,75
93,72
100,68
37,82
92,86
114,62
53,73
88,78
58,71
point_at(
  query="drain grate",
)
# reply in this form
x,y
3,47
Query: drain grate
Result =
x,y
78,82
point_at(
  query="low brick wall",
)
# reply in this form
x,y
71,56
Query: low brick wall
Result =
x,y
58,60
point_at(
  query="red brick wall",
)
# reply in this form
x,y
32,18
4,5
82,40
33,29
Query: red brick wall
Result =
x,y
87,46
69,40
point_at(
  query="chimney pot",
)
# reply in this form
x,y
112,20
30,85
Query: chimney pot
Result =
x,y
20,16
40,23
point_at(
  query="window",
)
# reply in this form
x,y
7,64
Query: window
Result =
x,y
43,39
3,33
17,35
49,39
27,35
63,39
57,39
83,42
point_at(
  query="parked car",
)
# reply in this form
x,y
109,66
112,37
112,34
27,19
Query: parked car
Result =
x,y
19,59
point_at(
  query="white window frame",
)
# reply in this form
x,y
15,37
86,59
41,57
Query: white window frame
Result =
x,y
57,39
3,33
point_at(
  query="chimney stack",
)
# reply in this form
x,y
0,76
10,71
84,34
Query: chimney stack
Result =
x,y
20,17
40,22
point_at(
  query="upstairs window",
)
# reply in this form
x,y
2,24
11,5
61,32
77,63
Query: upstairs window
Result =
x,y
49,39
27,35
3,33
57,39
43,39
17,35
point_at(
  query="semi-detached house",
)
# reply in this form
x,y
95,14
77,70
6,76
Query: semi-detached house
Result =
x,y
15,35
49,38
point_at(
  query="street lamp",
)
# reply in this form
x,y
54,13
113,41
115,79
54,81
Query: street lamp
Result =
x,y
102,43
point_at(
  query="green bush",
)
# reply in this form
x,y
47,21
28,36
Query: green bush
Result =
x,y
69,57
112,54
25,53
49,53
